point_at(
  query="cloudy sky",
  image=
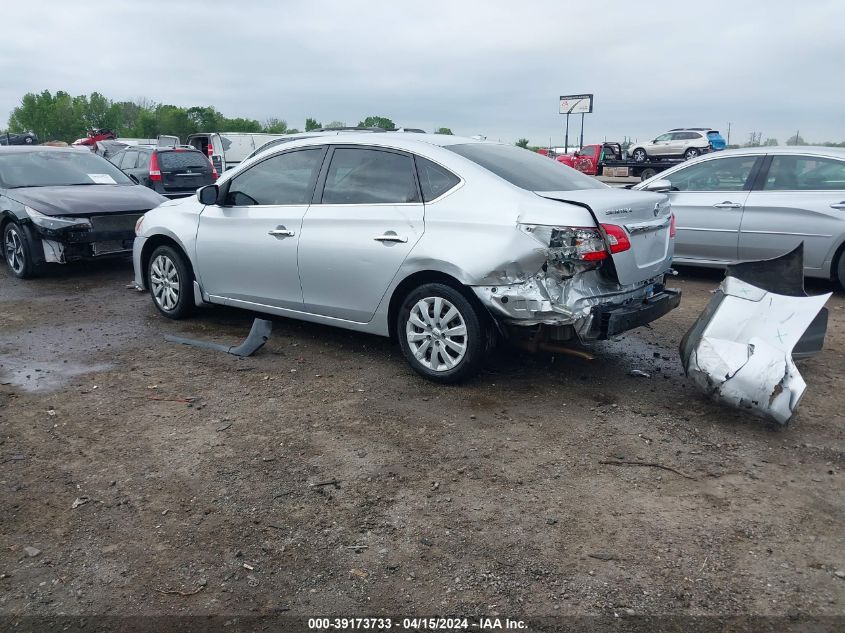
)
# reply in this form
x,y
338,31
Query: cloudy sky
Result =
x,y
477,66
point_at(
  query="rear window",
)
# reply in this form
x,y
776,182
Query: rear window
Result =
x,y
524,168
182,160
713,134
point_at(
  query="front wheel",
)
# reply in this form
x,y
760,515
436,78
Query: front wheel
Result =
x,y
639,155
443,336
840,270
171,283
18,251
692,152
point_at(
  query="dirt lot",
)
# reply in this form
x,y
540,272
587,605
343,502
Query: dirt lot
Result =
x,y
138,467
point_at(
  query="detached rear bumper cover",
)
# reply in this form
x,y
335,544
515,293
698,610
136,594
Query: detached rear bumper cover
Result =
x,y
740,349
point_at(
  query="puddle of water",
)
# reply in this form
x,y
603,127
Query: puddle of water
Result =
x,y
39,376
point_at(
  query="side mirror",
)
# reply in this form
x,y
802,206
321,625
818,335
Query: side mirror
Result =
x,y
659,186
208,194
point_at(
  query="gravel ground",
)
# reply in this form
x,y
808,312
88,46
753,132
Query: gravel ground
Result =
x,y
322,476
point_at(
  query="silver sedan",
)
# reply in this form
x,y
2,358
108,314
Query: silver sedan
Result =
x,y
442,242
759,203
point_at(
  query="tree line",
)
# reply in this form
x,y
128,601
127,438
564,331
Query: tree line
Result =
x,y
63,117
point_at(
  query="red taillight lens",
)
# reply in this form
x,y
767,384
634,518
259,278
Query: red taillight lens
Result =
x,y
210,149
214,174
672,226
155,170
617,239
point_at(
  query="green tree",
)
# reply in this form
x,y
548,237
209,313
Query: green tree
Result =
x,y
443,130
796,139
523,142
312,124
240,125
378,121
205,118
770,142
51,117
275,126
333,125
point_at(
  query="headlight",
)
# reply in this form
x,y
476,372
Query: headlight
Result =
x,y
55,223
138,225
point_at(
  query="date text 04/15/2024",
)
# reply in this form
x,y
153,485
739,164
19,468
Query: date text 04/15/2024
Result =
x,y
417,624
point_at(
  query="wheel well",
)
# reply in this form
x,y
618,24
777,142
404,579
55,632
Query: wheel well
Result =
x,y
153,243
834,264
418,279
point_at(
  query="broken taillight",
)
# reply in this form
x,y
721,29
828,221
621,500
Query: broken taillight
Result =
x,y
617,239
155,170
573,243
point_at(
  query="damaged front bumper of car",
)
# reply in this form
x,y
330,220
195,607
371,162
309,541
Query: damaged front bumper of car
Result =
x,y
587,306
64,239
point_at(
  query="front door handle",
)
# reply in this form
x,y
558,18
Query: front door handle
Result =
x,y
391,237
728,205
280,231
838,205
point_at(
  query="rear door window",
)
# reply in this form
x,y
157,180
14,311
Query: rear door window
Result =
x,y
722,174
370,176
282,179
805,173
183,160
129,159
434,179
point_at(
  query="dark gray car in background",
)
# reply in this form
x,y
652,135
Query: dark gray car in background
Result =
x,y
174,172
64,204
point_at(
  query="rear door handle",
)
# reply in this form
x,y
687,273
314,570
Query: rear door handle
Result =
x,y
281,232
391,237
728,205
838,205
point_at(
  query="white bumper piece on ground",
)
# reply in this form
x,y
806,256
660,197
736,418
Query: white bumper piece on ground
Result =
x,y
740,350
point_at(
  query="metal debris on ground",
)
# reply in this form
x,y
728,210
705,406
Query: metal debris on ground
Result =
x,y
740,350
258,335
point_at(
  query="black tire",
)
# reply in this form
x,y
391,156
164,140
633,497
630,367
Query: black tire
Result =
x,y
840,269
639,155
476,342
169,275
691,153
647,173
17,251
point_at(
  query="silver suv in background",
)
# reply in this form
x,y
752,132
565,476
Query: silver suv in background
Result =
x,y
683,143
440,241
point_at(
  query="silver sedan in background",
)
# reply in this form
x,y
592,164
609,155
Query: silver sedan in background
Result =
x,y
442,242
759,203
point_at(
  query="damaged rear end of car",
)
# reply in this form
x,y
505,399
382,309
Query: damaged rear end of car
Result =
x,y
601,272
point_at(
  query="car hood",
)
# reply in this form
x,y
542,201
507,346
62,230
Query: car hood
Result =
x,y
87,200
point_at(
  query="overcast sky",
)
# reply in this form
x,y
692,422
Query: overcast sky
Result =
x,y
476,66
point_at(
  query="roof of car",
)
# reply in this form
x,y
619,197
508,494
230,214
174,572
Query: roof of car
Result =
x,y
812,150
25,149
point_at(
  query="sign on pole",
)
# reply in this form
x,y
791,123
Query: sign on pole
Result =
x,y
576,104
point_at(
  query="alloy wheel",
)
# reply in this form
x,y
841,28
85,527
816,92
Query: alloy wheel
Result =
x,y
164,280
436,333
14,250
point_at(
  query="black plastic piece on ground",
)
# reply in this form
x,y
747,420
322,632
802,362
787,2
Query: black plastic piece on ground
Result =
x,y
782,275
258,335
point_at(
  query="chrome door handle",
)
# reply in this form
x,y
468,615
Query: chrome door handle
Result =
x,y
281,233
838,205
728,205
391,237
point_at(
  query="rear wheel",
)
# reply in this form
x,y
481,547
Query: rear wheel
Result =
x,y
171,283
648,173
639,155
840,269
18,251
443,336
692,152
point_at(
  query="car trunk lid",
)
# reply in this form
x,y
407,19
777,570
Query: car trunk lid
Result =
x,y
645,219
184,170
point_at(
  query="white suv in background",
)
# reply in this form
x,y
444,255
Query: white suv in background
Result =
x,y
683,143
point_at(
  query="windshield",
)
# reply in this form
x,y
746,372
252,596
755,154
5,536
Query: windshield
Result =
x,y
524,168
53,168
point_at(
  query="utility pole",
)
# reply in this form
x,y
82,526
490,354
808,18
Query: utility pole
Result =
x,y
582,131
729,133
